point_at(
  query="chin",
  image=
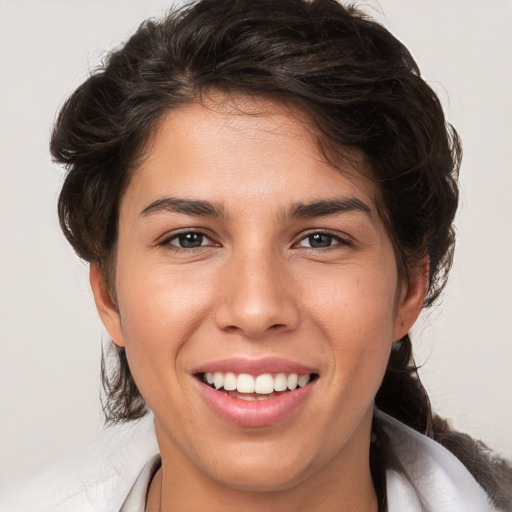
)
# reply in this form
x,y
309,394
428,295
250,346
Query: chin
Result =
x,y
259,478
263,467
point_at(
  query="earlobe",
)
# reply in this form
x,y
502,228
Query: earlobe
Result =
x,y
412,298
105,304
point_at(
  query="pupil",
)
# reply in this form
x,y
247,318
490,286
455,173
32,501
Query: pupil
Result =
x,y
320,240
191,240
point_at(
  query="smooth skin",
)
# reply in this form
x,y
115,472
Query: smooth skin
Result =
x,y
250,277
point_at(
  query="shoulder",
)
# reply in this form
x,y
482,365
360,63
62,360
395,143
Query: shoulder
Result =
x,y
96,479
441,482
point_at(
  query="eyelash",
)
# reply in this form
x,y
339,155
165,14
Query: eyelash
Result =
x,y
334,238
167,242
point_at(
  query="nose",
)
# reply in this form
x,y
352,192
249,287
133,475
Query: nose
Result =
x,y
256,297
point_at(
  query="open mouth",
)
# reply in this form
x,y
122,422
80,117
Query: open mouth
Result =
x,y
256,387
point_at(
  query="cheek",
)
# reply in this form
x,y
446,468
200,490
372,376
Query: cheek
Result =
x,y
159,312
153,298
355,311
354,299
158,315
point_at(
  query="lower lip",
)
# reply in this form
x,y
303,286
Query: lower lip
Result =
x,y
255,413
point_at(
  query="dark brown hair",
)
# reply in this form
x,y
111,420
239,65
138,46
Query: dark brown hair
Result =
x,y
359,87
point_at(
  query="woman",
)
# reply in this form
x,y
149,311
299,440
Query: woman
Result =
x,y
265,192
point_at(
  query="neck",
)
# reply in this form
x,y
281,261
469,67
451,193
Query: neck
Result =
x,y
342,485
167,498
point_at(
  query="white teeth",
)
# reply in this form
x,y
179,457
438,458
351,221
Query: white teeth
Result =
x,y
280,381
292,380
245,383
303,380
230,381
218,380
264,384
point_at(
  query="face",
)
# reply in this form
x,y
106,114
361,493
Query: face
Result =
x,y
247,263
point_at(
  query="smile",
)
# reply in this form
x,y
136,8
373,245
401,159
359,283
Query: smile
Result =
x,y
256,393
260,387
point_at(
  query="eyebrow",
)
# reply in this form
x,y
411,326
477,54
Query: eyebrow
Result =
x,y
327,207
186,206
321,208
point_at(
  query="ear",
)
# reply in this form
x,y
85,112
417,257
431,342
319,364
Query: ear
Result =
x,y
411,298
105,304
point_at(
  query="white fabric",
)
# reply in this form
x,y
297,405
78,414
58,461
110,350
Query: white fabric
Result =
x,y
137,497
97,479
122,461
439,477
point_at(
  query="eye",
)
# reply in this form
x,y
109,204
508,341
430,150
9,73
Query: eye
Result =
x,y
188,240
320,240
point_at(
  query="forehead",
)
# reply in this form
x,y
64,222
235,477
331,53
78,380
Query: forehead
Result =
x,y
239,149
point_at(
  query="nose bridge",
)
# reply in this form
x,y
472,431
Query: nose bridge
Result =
x,y
256,295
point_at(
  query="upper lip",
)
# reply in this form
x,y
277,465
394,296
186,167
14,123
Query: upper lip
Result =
x,y
254,366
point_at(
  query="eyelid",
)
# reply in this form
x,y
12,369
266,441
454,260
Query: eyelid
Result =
x,y
341,238
165,240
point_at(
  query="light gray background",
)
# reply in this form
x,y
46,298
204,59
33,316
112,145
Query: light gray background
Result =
x,y
49,333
